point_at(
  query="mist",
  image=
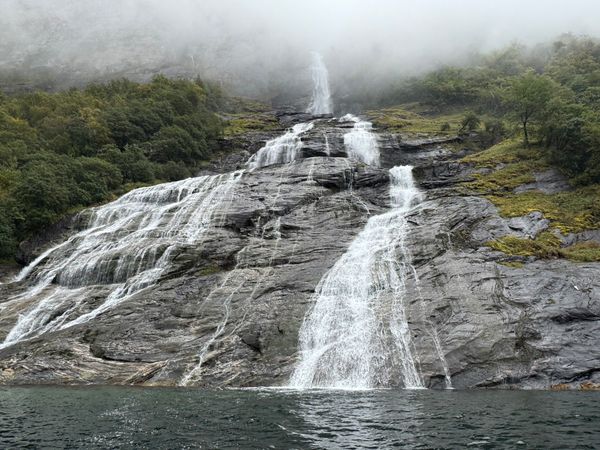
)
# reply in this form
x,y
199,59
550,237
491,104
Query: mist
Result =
x,y
261,48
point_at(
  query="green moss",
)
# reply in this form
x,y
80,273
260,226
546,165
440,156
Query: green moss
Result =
x,y
242,123
505,152
507,178
569,211
241,104
546,245
400,119
512,264
208,270
583,252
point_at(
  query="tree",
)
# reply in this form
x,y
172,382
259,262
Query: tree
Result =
x,y
469,122
528,96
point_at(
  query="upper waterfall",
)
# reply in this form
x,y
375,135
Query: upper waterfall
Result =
x,y
321,97
356,336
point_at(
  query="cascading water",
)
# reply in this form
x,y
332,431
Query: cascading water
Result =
x,y
361,142
128,245
281,150
356,336
321,97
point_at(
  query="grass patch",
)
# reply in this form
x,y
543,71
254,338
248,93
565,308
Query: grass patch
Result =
x,y
505,179
400,119
505,152
569,212
244,122
208,270
546,246
583,252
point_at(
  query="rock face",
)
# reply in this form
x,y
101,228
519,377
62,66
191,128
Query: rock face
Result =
x,y
228,312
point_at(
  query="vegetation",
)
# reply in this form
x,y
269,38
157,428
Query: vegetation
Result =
x,y
533,110
508,165
60,152
545,246
550,93
405,119
244,122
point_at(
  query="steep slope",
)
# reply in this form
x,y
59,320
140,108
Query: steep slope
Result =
x,y
228,311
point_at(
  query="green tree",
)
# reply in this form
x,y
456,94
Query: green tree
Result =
x,y
528,96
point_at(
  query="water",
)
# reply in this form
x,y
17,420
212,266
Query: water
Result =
x,y
281,150
356,335
107,417
128,245
361,142
321,98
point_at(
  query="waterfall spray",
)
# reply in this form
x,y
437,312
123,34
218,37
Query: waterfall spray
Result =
x,y
361,142
280,150
356,336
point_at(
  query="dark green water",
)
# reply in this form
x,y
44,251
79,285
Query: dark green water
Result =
x,y
185,418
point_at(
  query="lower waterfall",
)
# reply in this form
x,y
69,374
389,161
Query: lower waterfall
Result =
x,y
356,335
128,245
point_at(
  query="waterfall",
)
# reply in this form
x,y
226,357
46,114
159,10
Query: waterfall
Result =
x,y
321,97
280,150
361,142
128,245
356,335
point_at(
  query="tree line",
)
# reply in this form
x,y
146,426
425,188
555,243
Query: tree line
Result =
x,y
549,93
60,152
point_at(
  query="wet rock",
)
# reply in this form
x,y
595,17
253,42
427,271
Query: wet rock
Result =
x,y
584,236
549,182
235,304
530,225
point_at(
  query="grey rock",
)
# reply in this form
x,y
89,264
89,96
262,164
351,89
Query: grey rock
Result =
x,y
236,303
549,182
584,236
530,225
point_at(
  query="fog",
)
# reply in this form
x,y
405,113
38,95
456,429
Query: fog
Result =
x,y
261,48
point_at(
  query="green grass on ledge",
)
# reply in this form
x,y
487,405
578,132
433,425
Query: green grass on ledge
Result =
x,y
569,211
401,120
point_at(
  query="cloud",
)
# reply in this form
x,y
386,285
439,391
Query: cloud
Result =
x,y
262,47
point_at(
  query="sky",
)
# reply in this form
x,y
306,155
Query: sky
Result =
x,y
257,45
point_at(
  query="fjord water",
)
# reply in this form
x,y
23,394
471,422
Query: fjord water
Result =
x,y
103,417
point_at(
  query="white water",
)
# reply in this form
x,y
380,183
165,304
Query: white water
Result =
x,y
356,336
128,245
361,142
280,150
321,97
